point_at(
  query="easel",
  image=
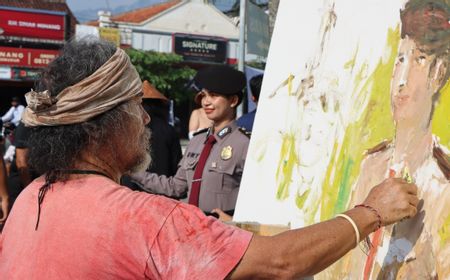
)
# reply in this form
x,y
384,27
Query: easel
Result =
x,y
259,229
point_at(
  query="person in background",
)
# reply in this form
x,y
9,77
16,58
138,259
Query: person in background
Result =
x,y
4,198
210,179
165,148
20,174
198,121
14,113
76,221
246,121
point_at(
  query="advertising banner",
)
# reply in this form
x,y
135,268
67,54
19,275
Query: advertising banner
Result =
x,y
200,48
26,57
32,24
5,72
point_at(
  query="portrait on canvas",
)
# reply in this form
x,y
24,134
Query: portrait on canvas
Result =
x,y
356,92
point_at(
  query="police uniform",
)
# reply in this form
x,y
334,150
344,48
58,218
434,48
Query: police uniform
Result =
x,y
219,170
220,178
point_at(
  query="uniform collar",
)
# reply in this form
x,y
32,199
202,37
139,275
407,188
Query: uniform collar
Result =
x,y
224,132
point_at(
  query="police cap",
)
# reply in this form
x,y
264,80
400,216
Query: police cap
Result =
x,y
221,79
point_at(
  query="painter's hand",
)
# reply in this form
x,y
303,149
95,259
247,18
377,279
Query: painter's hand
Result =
x,y
394,199
224,217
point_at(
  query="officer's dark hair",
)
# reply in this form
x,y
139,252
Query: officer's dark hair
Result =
x,y
255,85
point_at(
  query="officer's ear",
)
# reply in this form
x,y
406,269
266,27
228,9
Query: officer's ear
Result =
x,y
234,100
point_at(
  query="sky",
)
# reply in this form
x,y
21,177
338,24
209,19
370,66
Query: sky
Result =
x,y
86,10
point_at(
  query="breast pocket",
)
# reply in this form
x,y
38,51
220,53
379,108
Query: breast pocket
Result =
x,y
227,173
189,164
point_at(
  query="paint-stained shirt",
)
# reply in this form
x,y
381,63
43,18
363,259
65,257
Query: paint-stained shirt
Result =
x,y
221,176
93,228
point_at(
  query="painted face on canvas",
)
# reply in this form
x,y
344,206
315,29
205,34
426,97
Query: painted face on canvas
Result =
x,y
415,80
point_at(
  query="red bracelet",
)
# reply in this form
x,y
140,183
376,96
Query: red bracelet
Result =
x,y
374,211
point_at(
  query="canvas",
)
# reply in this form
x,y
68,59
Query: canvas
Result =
x,y
356,91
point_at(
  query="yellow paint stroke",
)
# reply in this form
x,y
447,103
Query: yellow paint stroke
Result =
x,y
288,159
350,65
444,231
290,84
375,124
440,124
301,198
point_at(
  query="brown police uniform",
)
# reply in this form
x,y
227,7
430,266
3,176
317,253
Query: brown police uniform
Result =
x,y
221,175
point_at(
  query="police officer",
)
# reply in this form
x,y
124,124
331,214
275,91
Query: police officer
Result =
x,y
211,169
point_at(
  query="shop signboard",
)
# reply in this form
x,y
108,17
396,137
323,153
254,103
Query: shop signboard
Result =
x,y
26,57
5,72
19,73
32,23
200,48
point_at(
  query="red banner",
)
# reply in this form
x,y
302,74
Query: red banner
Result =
x,y
32,24
26,57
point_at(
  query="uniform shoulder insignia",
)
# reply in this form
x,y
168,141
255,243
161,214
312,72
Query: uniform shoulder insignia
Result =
x,y
380,147
245,132
200,131
443,161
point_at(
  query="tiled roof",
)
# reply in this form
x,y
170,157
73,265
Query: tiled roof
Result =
x,y
52,5
142,14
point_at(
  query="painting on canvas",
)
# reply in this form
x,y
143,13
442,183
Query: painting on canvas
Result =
x,y
356,91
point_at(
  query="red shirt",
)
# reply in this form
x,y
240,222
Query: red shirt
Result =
x,y
93,228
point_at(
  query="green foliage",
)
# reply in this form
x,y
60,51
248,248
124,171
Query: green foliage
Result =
x,y
164,71
259,64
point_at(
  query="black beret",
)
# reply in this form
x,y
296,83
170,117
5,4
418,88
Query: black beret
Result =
x,y
221,79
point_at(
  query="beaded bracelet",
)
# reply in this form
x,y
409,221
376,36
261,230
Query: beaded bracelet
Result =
x,y
374,211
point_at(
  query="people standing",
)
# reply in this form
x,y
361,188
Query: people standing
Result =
x,y
198,121
165,148
210,171
246,121
14,114
77,222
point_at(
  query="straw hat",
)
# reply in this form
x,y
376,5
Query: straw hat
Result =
x,y
150,92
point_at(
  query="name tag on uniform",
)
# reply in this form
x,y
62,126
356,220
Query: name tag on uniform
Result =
x,y
227,153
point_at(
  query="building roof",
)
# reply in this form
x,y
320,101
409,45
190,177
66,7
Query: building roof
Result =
x,y
142,14
50,5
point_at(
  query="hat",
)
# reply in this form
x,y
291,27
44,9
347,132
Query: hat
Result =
x,y
150,92
220,79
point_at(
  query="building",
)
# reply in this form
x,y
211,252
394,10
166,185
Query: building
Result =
x,y
194,29
31,34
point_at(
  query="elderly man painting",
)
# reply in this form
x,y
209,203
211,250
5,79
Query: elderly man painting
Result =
x,y
77,222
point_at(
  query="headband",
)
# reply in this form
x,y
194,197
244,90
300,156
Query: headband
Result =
x,y
114,82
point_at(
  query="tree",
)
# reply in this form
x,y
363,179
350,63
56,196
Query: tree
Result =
x,y
164,71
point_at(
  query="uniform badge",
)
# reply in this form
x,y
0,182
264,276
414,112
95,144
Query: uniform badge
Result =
x,y
227,153
226,130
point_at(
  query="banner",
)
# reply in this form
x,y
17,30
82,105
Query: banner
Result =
x,y
26,57
30,24
110,34
5,72
200,48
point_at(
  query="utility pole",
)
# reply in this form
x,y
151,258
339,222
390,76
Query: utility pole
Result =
x,y
241,55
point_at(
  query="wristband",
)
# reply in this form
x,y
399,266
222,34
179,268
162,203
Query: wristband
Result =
x,y
350,220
